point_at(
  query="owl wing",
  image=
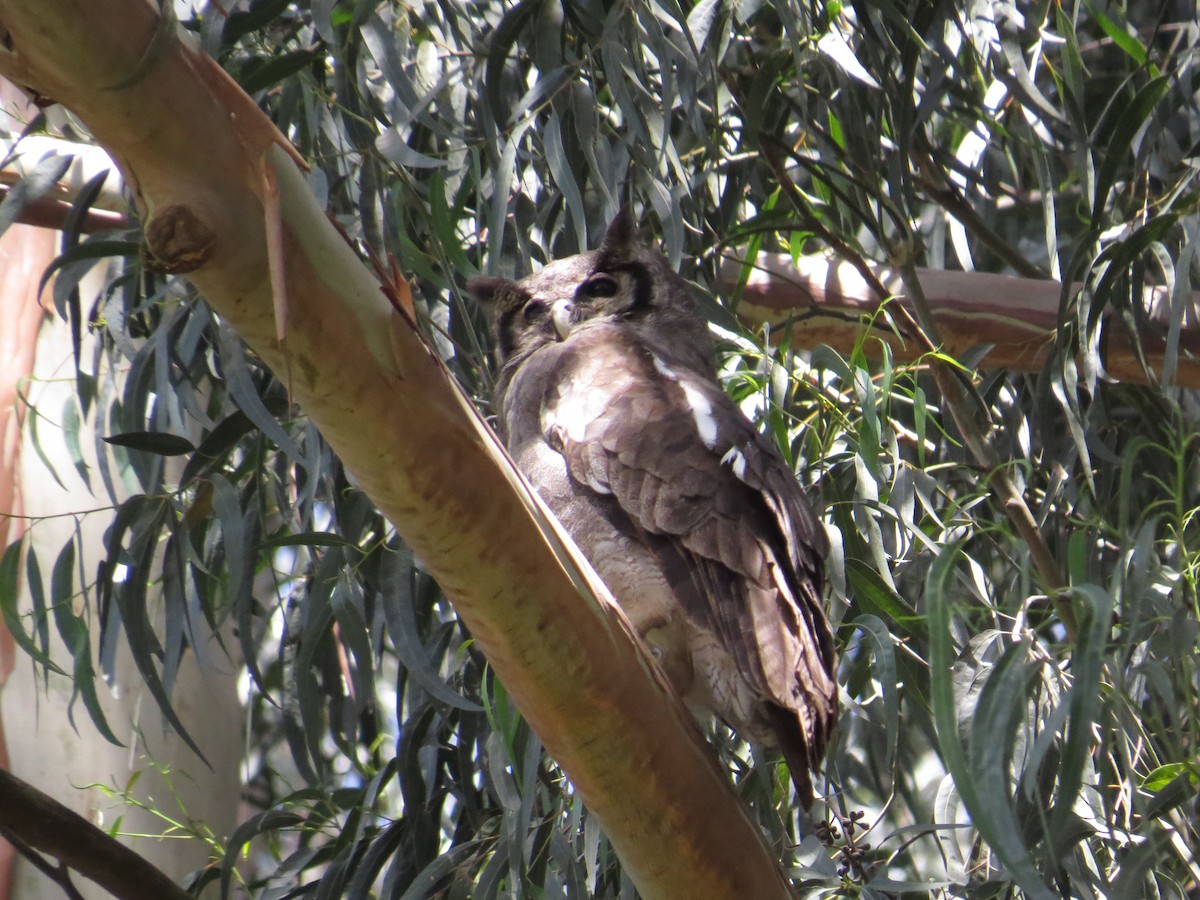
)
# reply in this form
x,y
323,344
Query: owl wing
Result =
x,y
683,463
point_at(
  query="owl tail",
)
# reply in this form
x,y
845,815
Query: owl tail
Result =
x,y
795,751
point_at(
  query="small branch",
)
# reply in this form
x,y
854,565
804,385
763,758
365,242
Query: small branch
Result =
x,y
815,225
967,410
955,204
48,212
41,824
59,874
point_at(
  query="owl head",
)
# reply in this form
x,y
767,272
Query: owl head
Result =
x,y
623,281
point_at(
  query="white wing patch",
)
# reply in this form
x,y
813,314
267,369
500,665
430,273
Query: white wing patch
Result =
x,y
663,368
736,460
702,411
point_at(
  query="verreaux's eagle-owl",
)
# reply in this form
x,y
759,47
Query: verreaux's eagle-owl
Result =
x,y
608,401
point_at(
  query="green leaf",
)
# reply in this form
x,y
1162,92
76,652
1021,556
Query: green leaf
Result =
x,y
1130,119
238,542
73,630
72,433
1158,779
217,445
1122,38
264,822
264,74
1087,664
145,524
399,610
500,46
990,811
10,565
156,442
245,394
241,22
885,673
875,597
352,632
305,539
45,175
92,252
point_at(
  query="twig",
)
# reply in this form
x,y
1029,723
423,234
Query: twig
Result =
x,y
52,212
59,874
963,405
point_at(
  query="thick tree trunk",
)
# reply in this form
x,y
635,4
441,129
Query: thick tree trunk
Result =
x,y
25,251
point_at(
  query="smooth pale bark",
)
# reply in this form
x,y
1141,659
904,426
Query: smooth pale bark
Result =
x,y
819,300
199,156
78,766
25,252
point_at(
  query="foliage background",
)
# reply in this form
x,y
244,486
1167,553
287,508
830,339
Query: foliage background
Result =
x,y
984,750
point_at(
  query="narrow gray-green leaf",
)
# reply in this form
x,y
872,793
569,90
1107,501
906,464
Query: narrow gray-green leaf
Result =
x,y
45,175
396,595
241,386
885,671
10,567
74,633
941,661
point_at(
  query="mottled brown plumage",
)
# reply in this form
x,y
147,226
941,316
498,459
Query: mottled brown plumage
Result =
x,y
608,401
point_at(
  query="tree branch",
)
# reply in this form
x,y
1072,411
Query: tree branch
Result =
x,y
46,826
820,299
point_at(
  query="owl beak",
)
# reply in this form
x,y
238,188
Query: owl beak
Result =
x,y
562,314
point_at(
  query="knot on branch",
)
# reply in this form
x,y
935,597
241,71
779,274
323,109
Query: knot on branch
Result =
x,y
177,241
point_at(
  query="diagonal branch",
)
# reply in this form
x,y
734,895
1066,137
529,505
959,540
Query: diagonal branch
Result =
x,y
44,825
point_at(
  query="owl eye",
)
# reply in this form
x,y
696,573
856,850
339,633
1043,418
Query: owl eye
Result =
x,y
533,310
600,285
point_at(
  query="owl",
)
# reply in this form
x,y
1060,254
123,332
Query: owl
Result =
x,y
608,401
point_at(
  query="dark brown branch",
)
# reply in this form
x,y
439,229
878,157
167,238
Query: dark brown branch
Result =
x,y
46,826
59,873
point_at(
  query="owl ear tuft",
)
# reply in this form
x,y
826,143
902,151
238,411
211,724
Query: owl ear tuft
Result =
x,y
621,232
486,288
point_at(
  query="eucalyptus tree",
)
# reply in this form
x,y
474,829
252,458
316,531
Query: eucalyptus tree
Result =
x,y
1013,576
